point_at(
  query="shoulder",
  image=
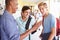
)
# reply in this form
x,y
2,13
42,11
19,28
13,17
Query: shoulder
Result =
x,y
33,20
18,19
51,16
52,19
32,17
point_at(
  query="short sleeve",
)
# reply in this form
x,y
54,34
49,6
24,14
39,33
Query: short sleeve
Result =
x,y
53,21
33,20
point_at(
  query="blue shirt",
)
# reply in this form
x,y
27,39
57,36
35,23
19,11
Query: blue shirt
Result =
x,y
49,22
8,27
21,25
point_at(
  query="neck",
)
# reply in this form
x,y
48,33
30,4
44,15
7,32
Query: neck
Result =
x,y
9,9
45,15
24,18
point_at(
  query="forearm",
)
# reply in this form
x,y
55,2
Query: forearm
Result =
x,y
52,35
22,36
35,27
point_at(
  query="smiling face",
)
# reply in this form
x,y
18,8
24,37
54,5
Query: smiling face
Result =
x,y
43,8
26,13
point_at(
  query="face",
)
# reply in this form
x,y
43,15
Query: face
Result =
x,y
14,5
26,13
43,10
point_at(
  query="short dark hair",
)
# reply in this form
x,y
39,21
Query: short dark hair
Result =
x,y
25,8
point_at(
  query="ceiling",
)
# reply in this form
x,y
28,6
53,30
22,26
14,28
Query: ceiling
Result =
x,y
35,1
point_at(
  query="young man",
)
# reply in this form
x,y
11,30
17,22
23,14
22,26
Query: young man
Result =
x,y
48,22
22,21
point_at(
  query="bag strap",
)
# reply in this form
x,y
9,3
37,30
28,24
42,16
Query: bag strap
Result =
x,y
27,25
28,22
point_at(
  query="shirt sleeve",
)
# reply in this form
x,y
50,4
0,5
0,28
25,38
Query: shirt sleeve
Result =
x,y
32,22
11,30
53,22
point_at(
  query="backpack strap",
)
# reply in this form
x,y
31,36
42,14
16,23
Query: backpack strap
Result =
x,y
27,25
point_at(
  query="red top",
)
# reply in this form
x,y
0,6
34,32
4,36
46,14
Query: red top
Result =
x,y
58,27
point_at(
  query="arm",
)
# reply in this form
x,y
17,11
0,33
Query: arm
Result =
x,y
35,27
11,29
22,36
52,34
53,31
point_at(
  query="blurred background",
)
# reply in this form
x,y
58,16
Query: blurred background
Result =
x,y
53,5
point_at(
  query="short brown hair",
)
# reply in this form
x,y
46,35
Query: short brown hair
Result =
x,y
25,8
42,4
